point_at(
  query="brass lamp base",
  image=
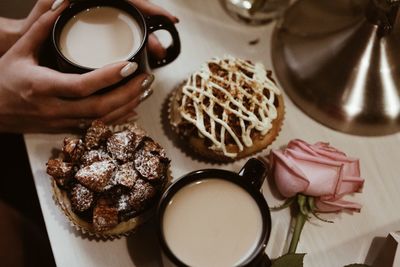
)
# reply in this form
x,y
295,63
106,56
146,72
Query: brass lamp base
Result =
x,y
339,61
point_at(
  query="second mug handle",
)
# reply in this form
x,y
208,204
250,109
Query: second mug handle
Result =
x,y
254,170
155,23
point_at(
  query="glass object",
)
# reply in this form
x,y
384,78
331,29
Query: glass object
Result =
x,y
255,12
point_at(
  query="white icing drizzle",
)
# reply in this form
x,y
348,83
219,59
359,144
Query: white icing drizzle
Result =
x,y
233,91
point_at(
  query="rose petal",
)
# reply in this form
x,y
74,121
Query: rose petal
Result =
x,y
352,165
323,175
288,178
323,150
326,146
352,168
336,205
350,184
300,145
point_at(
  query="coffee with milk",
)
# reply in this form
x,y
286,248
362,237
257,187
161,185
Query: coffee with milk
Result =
x,y
212,222
99,36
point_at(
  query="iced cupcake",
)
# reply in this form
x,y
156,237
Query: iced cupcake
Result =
x,y
229,109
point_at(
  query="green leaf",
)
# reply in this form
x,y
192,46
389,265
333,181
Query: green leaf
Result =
x,y
357,265
291,259
287,203
302,202
319,218
311,203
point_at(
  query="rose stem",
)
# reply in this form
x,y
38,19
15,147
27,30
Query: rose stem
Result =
x,y
300,221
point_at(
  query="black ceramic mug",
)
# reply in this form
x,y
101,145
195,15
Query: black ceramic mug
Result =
x,y
72,55
215,217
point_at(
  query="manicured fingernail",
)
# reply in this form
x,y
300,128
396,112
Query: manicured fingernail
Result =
x,y
128,69
146,94
176,19
56,4
147,82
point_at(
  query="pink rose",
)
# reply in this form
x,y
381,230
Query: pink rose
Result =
x,y
317,170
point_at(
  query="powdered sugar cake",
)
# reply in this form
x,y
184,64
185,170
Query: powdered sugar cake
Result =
x,y
109,182
229,109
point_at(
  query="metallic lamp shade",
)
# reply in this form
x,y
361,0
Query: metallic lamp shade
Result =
x,y
339,61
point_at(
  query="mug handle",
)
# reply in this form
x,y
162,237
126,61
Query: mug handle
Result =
x,y
255,170
156,23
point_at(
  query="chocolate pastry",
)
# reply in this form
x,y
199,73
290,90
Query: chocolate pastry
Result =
x,y
122,145
91,156
110,183
96,134
61,171
148,165
73,149
105,215
97,175
81,198
142,194
126,175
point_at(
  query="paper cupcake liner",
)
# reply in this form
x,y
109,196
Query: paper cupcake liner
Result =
x,y
125,228
171,102
122,229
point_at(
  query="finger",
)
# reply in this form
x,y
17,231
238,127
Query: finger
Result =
x,y
97,106
82,85
40,30
121,112
130,117
63,125
38,124
152,9
39,9
155,47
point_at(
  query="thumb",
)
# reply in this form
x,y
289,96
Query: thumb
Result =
x,y
40,30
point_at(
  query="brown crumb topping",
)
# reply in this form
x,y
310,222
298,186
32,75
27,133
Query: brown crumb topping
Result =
x,y
97,175
141,195
105,215
81,198
61,171
97,133
122,145
73,149
110,177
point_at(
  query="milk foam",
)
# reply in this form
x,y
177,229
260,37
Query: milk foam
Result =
x,y
212,223
99,36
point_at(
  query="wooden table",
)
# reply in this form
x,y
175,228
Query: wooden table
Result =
x,y
207,31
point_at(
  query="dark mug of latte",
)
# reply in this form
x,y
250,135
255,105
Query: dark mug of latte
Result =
x,y
92,33
215,217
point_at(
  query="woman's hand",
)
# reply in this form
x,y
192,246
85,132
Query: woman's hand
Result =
x,y
38,99
11,30
150,9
